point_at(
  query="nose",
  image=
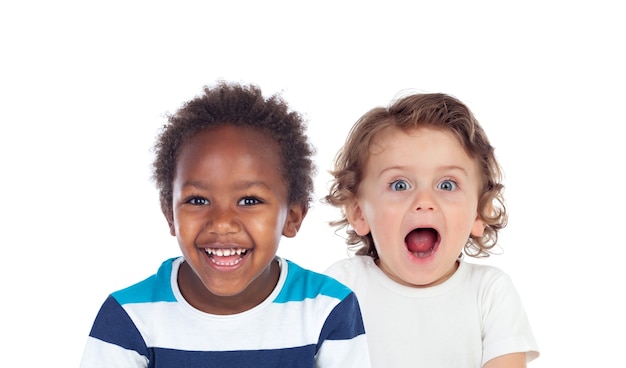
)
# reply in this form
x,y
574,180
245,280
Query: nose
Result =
x,y
222,221
424,200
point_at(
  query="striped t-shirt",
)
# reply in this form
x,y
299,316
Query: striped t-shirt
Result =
x,y
309,320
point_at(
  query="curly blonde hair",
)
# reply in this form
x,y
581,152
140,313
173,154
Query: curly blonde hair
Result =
x,y
432,110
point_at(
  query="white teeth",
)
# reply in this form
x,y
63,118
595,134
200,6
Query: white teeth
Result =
x,y
423,254
225,252
230,263
216,254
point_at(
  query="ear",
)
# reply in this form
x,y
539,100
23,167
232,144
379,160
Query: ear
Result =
x,y
295,216
169,216
478,228
356,219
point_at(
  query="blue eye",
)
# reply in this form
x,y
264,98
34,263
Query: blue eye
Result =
x,y
249,201
400,185
447,185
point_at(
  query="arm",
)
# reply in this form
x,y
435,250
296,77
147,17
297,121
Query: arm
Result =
x,y
342,342
507,336
513,360
114,341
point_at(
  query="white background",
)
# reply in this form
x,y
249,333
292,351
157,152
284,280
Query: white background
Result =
x,y
84,88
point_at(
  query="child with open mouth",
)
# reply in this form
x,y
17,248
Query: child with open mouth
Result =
x,y
419,185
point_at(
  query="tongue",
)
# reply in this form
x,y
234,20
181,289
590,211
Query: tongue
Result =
x,y
421,240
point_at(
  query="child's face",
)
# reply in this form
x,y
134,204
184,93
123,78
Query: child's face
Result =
x,y
421,180
230,209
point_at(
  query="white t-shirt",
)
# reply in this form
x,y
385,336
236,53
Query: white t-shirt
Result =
x,y
471,318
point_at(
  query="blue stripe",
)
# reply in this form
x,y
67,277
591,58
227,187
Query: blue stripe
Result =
x,y
290,357
113,325
344,322
303,284
156,288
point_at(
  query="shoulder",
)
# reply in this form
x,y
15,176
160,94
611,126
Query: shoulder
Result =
x,y
491,285
157,287
302,283
349,266
486,275
359,273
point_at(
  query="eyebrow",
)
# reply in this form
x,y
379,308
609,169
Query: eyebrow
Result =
x,y
454,168
442,168
245,184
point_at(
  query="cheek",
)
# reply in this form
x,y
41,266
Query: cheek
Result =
x,y
264,225
467,220
382,218
186,224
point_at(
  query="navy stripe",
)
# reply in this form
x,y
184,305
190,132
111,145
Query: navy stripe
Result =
x,y
113,325
344,322
283,358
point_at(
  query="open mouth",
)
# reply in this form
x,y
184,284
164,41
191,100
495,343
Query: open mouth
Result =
x,y
422,242
226,256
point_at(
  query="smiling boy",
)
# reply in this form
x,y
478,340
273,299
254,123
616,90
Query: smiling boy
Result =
x,y
230,210
234,173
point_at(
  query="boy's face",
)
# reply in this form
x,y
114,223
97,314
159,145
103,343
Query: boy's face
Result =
x,y
419,199
230,209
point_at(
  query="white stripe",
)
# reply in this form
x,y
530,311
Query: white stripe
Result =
x,y
353,351
99,353
170,325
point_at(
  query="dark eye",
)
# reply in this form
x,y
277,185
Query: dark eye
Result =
x,y
399,185
249,201
447,185
198,201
